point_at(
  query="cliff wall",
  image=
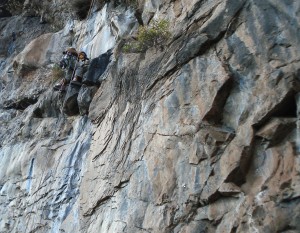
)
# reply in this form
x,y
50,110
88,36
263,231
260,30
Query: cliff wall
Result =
x,y
196,133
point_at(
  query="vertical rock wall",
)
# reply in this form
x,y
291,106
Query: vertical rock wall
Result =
x,y
200,137
197,135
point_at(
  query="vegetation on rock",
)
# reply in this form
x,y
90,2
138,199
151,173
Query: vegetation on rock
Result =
x,y
57,73
153,35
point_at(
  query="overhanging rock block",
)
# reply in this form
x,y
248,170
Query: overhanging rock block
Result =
x,y
96,68
70,105
85,97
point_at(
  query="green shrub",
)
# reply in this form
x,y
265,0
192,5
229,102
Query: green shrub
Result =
x,y
13,6
148,36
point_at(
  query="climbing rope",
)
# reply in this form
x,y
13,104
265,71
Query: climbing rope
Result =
x,y
88,16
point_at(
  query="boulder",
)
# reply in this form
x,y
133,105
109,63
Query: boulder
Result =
x,y
96,68
42,51
85,97
70,105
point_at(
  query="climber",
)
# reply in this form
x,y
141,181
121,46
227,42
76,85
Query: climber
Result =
x,y
81,67
67,63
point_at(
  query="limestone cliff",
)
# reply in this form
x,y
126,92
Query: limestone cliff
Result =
x,y
198,133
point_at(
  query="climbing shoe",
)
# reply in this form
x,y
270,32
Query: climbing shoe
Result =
x,y
57,87
76,83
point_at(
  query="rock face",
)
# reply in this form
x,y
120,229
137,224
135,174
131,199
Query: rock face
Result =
x,y
199,134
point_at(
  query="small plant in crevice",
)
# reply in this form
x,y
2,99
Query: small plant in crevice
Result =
x,y
57,73
14,6
156,34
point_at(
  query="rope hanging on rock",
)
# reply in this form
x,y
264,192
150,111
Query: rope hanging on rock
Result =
x,y
88,16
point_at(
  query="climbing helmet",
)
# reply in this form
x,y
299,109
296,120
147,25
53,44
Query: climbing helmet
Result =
x,y
71,51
